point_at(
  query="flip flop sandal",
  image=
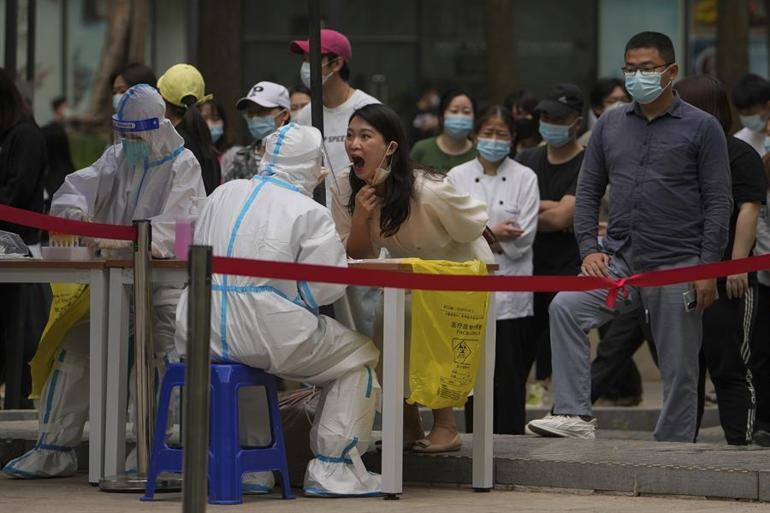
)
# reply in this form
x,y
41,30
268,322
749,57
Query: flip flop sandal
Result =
x,y
426,446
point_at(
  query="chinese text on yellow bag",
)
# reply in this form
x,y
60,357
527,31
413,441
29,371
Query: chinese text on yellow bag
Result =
x,y
448,330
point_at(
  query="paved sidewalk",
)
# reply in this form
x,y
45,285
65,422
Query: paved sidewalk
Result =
x,y
74,495
624,462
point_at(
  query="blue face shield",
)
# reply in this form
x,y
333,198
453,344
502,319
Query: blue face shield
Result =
x,y
132,136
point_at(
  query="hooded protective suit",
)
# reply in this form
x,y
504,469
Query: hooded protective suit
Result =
x,y
274,324
160,186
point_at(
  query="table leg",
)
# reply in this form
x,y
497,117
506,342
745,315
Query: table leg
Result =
x,y
117,368
393,392
483,450
97,376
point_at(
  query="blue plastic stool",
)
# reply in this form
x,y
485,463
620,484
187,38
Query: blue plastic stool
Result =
x,y
228,461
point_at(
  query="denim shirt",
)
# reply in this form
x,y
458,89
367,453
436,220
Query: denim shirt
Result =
x,y
671,195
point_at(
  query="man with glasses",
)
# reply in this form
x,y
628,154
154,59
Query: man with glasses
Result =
x,y
670,206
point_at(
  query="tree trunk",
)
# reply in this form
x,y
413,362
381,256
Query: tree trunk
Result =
x,y
138,34
498,32
219,57
732,40
124,43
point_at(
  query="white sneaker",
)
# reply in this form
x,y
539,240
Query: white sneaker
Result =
x,y
564,426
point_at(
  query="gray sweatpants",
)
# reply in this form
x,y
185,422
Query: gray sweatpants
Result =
x,y
677,335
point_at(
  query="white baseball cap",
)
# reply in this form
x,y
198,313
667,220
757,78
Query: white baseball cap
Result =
x,y
266,94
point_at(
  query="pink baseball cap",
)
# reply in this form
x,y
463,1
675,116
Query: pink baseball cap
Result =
x,y
331,42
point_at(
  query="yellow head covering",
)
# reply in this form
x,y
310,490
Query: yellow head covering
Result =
x,y
181,80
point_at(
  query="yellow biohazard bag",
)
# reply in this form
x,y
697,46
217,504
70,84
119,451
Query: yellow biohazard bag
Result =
x,y
448,330
71,302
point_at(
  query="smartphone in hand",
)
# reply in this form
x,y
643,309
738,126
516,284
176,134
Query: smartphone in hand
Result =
x,y
690,298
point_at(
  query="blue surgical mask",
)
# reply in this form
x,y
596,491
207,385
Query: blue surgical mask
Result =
x,y
458,126
135,151
116,101
755,123
261,126
493,150
555,135
217,131
644,88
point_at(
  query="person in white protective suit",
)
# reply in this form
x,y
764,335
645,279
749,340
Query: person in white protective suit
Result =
x,y
274,325
146,174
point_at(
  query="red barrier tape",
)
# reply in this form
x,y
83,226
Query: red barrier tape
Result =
x,y
404,280
419,281
68,226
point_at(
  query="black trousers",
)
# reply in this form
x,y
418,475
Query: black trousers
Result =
x,y
24,309
760,357
726,352
515,353
542,334
613,372
513,359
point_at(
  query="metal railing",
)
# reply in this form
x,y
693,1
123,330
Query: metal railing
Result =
x,y
195,406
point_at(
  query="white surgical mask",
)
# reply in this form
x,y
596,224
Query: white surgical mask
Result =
x,y
382,172
304,75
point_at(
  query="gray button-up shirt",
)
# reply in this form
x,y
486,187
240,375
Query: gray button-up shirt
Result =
x,y
671,195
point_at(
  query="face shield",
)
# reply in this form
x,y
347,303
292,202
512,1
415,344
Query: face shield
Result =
x,y
136,126
134,140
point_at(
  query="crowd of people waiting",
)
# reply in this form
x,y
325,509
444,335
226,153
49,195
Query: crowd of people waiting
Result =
x,y
648,177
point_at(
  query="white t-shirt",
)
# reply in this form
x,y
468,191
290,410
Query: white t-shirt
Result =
x,y
757,141
336,125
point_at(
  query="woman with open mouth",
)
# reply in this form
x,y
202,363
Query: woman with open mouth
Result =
x,y
410,213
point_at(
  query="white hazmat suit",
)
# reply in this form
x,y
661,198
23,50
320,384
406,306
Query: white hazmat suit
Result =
x,y
159,186
274,324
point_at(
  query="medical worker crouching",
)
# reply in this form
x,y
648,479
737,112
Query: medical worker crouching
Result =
x,y
146,174
274,324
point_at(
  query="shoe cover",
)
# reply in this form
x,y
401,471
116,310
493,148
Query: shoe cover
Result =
x,y
341,431
258,483
63,408
63,411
